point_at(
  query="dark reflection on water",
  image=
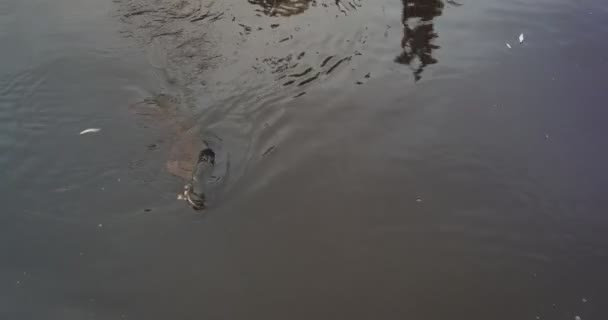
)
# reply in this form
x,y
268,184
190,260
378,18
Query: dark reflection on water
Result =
x,y
287,8
419,34
282,7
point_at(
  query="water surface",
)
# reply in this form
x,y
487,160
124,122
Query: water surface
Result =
x,y
388,160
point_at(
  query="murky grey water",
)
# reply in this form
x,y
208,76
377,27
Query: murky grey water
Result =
x,y
386,160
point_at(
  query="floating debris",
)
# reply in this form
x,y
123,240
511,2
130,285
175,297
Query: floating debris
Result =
x,y
521,38
508,45
90,130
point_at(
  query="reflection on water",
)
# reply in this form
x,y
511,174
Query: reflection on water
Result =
x,y
282,7
419,34
292,7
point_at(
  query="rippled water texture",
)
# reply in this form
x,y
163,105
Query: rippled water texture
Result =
x,y
379,160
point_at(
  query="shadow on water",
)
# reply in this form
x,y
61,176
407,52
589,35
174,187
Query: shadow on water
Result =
x,y
418,42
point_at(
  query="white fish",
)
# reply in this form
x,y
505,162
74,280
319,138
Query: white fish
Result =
x,y
521,38
90,130
508,46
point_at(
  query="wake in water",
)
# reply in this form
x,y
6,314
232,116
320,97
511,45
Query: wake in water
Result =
x,y
212,49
